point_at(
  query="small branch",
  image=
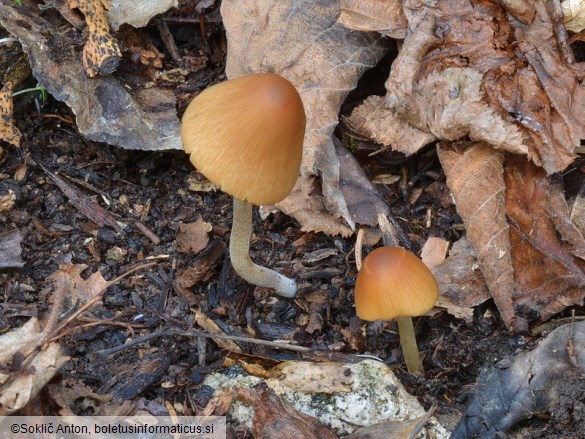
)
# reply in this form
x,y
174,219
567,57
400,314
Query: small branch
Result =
x,y
8,40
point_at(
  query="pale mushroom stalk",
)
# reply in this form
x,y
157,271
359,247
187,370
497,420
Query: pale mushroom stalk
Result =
x,y
240,257
409,347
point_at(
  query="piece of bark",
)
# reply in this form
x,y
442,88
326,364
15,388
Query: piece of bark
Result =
x,y
10,249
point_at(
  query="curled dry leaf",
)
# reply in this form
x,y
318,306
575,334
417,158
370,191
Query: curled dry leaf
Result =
x,y
101,52
301,41
8,131
274,417
532,382
433,254
466,70
20,382
374,120
462,286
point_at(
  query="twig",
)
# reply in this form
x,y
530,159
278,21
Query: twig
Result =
x,y
358,248
147,232
86,206
130,344
163,332
8,40
168,40
94,322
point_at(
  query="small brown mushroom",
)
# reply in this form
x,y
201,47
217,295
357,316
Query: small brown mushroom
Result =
x,y
394,284
246,136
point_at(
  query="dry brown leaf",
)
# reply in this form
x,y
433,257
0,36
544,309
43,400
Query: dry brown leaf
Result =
x,y
374,120
384,16
193,237
7,201
8,131
318,301
19,384
364,204
101,52
68,281
547,250
475,176
274,417
212,328
301,40
434,251
462,286
530,253
578,210
202,269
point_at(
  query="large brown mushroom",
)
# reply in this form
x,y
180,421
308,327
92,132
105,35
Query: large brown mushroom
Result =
x,y
246,136
394,284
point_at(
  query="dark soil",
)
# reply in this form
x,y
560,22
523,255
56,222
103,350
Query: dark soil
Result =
x,y
149,192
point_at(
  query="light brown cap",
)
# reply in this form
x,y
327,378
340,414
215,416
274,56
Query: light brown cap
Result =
x,y
392,283
246,136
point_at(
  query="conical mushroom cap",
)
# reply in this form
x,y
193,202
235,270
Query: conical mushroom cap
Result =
x,y
392,283
246,136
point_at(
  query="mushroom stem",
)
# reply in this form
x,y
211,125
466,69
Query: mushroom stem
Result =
x,y
240,257
409,348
